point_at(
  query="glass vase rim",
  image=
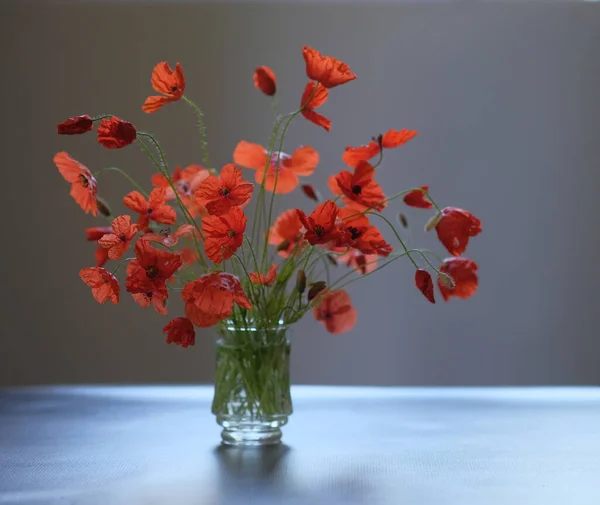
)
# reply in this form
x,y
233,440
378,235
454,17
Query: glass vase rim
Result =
x,y
231,325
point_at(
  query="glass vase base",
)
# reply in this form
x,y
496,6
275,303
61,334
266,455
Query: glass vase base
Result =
x,y
251,433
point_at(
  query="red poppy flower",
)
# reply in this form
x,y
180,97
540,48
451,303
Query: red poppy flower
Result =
x,y
425,284
169,239
264,79
286,233
186,182
118,241
145,293
210,298
168,82
359,188
154,208
223,234
115,133
180,331
357,232
311,100
220,194
302,162
154,264
321,224
95,234
418,198
336,312
104,284
454,229
311,192
262,279
84,188
326,69
463,273
390,140
75,125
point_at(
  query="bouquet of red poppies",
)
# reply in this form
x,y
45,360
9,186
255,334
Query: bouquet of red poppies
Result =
x,y
188,235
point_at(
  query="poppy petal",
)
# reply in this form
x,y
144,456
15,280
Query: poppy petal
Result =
x,y
250,155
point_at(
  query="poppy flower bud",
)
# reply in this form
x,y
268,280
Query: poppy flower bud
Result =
x,y
75,125
103,207
433,222
402,220
265,80
311,192
283,246
331,260
315,289
446,280
300,281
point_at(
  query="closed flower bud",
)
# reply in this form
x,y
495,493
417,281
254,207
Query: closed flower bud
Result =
x,y
283,246
75,125
446,280
402,220
332,260
103,207
433,222
315,289
301,281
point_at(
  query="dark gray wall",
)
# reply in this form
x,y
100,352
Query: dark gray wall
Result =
x,y
505,97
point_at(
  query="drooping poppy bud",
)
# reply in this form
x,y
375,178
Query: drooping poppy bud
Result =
x,y
301,281
103,207
265,80
446,280
433,222
311,192
315,289
75,125
402,220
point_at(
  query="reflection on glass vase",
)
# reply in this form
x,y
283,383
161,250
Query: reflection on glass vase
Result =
x,y
252,398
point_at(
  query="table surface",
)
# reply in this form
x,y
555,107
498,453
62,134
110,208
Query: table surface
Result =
x,y
343,446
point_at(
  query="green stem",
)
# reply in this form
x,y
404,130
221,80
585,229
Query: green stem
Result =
x,y
397,236
124,174
121,264
202,128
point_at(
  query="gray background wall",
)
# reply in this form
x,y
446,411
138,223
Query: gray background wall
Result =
x,y
505,97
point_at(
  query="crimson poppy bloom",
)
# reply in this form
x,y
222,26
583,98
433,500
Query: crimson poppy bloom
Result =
x,y
145,293
154,208
154,264
455,228
329,71
118,241
311,100
321,223
104,284
282,167
220,194
286,233
359,189
464,277
93,235
425,284
75,125
186,183
393,138
114,133
168,239
418,198
264,79
335,311
209,299
171,83
84,188
180,331
262,279
223,235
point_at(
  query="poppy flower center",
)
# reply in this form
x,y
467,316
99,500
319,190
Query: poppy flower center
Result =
x,y
149,295
354,232
83,179
152,271
356,189
231,233
224,191
122,237
149,211
319,230
184,188
173,89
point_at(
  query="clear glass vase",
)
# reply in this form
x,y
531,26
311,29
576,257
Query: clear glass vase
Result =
x,y
252,398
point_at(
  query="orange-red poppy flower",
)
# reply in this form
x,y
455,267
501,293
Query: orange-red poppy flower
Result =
x,y
390,140
286,233
84,188
114,133
154,264
186,182
329,71
223,234
180,331
359,189
75,125
464,277
312,99
262,279
118,241
154,208
93,235
168,239
210,298
104,284
357,232
171,83
418,198
425,284
321,223
264,79
220,194
302,162
454,229
145,293
335,311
